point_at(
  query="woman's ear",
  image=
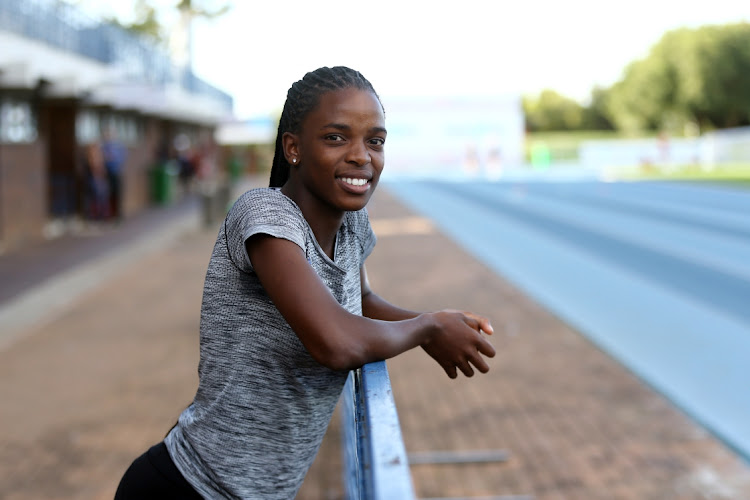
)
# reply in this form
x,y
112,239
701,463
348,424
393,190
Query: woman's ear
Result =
x,y
290,143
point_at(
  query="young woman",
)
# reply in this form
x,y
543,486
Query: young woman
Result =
x,y
287,309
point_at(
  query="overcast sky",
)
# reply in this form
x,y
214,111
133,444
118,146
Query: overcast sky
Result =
x,y
413,47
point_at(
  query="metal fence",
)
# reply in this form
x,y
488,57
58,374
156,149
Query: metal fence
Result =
x,y
712,149
728,146
65,27
375,461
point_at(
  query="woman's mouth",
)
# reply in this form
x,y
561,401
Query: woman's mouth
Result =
x,y
354,182
355,185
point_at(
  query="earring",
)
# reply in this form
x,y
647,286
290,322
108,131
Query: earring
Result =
x,y
294,160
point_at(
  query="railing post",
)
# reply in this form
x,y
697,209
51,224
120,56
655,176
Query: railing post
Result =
x,y
375,461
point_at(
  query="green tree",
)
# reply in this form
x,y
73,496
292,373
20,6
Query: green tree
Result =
x,y
189,10
206,9
720,95
146,22
596,114
552,111
699,76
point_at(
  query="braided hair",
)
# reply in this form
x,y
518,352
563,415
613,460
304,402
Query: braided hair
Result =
x,y
303,97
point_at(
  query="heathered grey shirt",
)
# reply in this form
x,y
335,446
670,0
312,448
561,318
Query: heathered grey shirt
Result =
x,y
263,403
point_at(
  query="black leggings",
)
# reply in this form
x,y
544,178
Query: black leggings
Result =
x,y
154,475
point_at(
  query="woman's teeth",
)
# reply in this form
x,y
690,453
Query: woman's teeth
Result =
x,y
354,182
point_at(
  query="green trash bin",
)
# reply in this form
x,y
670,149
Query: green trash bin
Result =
x,y
163,183
541,156
235,170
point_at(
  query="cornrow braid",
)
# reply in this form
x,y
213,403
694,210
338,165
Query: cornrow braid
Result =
x,y
301,99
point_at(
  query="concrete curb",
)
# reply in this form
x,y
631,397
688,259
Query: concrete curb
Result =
x,y
43,303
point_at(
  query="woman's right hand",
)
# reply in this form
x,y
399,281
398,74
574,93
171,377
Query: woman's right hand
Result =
x,y
457,342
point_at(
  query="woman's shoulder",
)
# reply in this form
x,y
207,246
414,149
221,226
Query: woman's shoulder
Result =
x,y
266,211
261,208
262,193
264,199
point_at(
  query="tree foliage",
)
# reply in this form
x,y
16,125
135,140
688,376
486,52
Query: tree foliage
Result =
x,y
699,76
690,77
551,111
596,114
205,9
146,22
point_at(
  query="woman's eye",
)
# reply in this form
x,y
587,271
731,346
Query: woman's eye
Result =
x,y
378,141
334,137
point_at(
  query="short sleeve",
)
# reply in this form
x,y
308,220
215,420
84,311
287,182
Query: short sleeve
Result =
x,y
262,211
359,224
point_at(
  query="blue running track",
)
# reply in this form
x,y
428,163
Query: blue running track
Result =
x,y
656,274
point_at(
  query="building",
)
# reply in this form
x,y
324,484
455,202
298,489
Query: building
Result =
x,y
68,81
454,136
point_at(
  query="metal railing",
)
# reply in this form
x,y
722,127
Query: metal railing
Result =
x,y
375,461
65,27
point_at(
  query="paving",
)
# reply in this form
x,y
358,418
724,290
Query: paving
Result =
x,y
98,356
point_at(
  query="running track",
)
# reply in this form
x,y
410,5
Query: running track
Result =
x,y
656,274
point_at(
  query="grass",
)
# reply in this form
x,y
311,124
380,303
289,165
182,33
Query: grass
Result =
x,y
563,146
732,173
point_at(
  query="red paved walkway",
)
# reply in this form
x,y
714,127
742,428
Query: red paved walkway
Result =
x,y
106,375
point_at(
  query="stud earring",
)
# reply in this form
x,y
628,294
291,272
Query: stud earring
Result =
x,y
294,160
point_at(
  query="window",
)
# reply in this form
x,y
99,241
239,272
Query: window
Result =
x,y
17,122
126,128
87,126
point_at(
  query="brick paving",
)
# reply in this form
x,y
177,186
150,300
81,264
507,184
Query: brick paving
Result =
x,y
90,388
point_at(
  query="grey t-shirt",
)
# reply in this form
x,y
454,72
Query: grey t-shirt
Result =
x,y
263,403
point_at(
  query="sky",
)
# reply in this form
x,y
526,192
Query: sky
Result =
x,y
415,47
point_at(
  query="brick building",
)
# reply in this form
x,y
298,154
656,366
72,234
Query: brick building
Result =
x,y
67,80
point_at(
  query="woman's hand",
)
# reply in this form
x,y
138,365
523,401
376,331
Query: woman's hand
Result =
x,y
457,342
340,340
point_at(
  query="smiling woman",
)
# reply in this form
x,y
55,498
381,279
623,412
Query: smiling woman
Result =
x,y
337,155
288,310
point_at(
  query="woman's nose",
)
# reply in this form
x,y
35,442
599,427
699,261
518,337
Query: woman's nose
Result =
x,y
359,154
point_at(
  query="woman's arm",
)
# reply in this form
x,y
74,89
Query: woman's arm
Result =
x,y
341,340
375,307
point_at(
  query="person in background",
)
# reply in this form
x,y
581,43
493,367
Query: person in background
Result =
x,y
97,184
115,155
185,155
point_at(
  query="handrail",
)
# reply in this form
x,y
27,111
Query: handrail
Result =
x,y
375,462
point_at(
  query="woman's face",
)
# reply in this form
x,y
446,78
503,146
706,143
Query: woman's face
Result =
x,y
340,149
